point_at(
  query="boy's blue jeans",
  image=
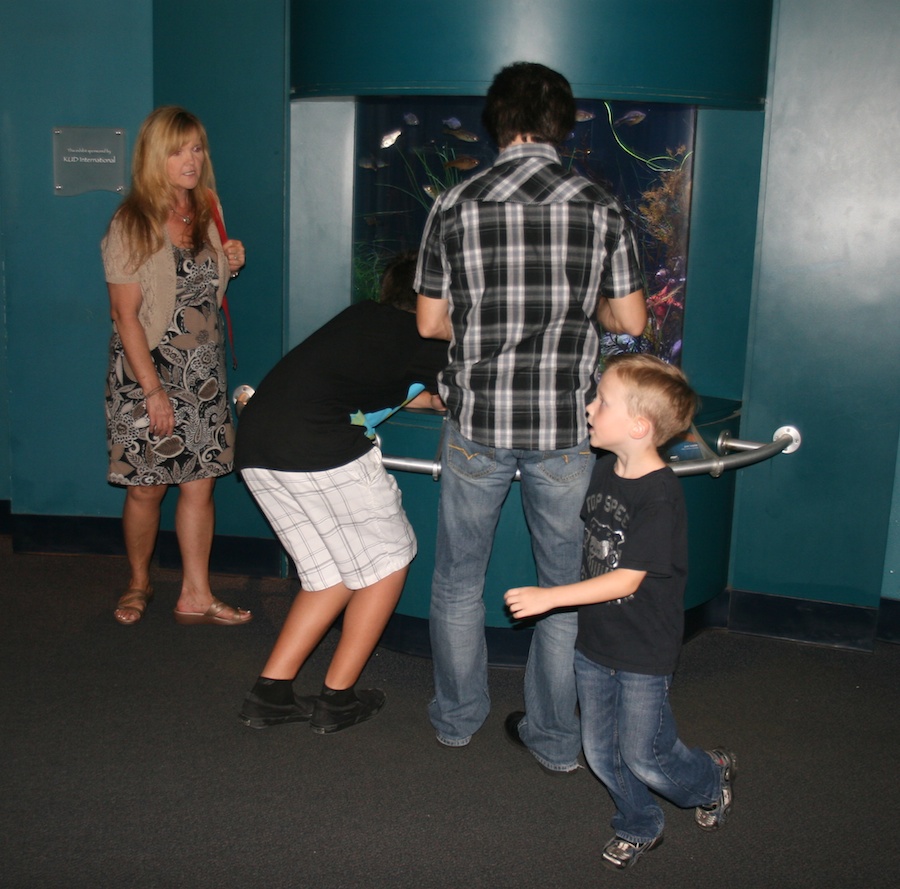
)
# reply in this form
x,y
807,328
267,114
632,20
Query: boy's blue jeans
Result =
x,y
475,482
631,743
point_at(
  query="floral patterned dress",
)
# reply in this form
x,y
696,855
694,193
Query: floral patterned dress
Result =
x,y
190,361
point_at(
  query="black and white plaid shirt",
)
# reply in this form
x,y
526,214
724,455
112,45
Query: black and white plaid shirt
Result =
x,y
522,252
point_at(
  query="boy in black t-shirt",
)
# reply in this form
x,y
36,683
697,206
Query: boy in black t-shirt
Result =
x,y
305,452
630,615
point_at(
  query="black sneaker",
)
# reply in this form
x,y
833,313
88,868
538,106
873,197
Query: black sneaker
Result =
x,y
713,817
620,854
328,718
257,713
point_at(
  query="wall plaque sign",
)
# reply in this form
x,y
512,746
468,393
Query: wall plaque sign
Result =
x,y
88,159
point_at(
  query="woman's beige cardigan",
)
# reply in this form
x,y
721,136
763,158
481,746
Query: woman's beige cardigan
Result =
x,y
156,277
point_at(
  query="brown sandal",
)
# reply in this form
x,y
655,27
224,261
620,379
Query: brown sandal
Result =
x,y
213,615
133,602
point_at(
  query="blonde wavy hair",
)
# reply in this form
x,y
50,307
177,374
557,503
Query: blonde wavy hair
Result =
x,y
144,211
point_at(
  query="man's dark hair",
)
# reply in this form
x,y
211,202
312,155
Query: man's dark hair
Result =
x,y
397,281
528,99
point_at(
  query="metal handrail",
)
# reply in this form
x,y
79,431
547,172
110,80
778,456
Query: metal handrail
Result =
x,y
785,440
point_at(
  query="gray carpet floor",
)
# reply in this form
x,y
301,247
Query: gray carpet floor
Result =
x,y
122,762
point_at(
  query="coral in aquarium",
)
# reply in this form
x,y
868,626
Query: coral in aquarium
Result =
x,y
663,216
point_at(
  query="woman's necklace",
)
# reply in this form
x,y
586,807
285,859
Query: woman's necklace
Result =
x,y
185,219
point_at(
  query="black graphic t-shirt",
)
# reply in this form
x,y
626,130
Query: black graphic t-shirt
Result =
x,y
639,524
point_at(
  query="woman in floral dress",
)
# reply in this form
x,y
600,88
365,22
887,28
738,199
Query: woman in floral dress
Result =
x,y
168,419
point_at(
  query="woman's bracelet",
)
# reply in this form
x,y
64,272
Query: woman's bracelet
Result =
x,y
153,392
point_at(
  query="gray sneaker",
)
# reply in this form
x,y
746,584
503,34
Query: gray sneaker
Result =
x,y
620,854
713,816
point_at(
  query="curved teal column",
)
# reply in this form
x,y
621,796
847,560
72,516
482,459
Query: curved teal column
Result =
x,y
706,52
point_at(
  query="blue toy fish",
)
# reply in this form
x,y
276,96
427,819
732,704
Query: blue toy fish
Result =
x,y
374,418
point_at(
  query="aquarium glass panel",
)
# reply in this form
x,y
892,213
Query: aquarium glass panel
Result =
x,y
409,149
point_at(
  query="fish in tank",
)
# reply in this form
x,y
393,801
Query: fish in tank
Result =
x,y
410,149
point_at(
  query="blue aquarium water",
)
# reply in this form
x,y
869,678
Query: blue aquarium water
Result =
x,y
409,149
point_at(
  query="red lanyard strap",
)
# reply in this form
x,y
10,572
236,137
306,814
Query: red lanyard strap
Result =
x,y
220,225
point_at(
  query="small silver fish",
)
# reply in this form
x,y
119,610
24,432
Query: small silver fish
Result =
x,y
410,119
388,139
582,115
452,123
462,135
431,190
630,119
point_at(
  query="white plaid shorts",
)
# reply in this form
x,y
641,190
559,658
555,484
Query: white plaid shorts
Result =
x,y
345,525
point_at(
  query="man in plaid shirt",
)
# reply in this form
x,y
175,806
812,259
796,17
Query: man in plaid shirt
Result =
x,y
519,267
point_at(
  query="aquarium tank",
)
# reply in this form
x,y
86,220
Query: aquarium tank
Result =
x,y
409,149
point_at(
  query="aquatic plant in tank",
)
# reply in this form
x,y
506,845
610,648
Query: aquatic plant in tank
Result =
x,y
409,149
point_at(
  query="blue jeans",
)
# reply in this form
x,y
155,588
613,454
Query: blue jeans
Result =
x,y
631,744
475,481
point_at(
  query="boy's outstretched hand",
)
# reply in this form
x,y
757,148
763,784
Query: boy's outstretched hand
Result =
x,y
527,601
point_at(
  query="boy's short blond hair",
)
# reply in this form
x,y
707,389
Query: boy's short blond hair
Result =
x,y
656,391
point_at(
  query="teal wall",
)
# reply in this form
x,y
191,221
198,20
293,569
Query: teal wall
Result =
x,y
891,581
109,66
60,65
705,51
5,468
824,342
722,249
